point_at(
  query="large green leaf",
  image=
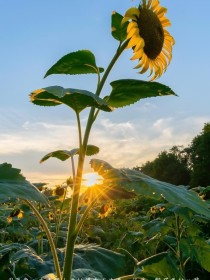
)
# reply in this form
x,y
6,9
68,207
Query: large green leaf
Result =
x,y
158,226
64,154
128,91
119,31
160,265
139,183
76,99
14,185
201,251
82,273
26,261
80,62
110,264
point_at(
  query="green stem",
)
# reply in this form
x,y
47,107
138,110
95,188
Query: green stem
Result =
x,y
87,210
79,129
73,170
71,238
72,233
126,277
172,249
59,218
119,51
179,252
49,237
11,273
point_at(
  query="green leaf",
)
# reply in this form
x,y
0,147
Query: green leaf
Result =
x,y
119,31
109,263
128,91
64,154
201,251
28,262
76,99
14,185
60,154
185,213
92,150
80,62
139,183
158,226
160,265
82,273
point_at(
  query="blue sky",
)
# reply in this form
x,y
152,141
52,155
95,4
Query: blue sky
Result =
x,y
35,34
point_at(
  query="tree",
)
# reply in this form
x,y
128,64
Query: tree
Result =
x,y
199,158
169,167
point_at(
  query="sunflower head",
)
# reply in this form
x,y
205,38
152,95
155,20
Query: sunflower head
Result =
x,y
105,210
50,216
15,213
153,210
150,41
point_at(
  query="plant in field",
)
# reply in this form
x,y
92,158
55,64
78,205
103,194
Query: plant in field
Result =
x,y
144,30
178,229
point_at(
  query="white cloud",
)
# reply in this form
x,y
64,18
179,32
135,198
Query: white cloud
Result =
x,y
122,144
38,136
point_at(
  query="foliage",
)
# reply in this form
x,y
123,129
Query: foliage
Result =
x,y
200,158
42,230
191,163
169,167
139,183
13,185
80,62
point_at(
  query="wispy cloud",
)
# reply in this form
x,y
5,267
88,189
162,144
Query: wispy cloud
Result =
x,y
122,144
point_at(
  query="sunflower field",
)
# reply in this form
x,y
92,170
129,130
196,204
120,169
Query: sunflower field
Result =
x,y
131,226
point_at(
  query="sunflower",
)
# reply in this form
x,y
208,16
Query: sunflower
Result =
x,y
15,213
50,216
105,210
150,41
153,209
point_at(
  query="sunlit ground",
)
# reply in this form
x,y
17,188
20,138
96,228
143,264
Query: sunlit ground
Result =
x,y
90,179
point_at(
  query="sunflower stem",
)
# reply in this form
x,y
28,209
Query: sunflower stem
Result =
x,y
72,232
87,210
49,237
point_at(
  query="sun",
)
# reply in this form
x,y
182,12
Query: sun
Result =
x,y
91,179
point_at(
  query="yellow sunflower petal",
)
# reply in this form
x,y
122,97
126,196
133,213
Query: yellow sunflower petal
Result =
x,y
160,10
142,62
9,219
20,215
166,22
133,42
145,67
139,45
132,12
149,3
168,55
155,3
133,32
125,19
138,54
163,61
167,47
132,25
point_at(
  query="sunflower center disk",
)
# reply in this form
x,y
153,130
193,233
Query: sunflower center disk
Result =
x,y
151,30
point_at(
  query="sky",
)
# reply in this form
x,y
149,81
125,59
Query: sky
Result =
x,y
36,34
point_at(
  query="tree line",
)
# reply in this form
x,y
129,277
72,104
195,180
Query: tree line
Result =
x,y
183,165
